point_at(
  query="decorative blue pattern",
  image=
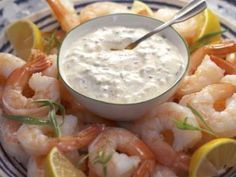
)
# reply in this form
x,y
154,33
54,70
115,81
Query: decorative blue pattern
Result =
x,y
9,166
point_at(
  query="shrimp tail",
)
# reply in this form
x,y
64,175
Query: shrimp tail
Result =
x,y
224,64
84,138
145,169
223,48
64,13
38,63
20,76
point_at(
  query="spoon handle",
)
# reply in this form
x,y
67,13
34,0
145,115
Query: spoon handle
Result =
x,y
188,11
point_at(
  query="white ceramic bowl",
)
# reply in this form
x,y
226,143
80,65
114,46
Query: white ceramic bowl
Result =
x,y
122,112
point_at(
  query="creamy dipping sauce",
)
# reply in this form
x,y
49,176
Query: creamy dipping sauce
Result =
x,y
121,76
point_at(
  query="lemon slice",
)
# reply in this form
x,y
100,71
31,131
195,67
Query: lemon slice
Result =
x,y
141,8
214,158
211,24
57,165
24,35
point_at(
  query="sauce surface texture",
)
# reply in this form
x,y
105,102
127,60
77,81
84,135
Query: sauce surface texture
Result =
x,y
121,76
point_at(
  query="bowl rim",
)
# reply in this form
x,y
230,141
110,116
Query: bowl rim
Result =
x,y
122,104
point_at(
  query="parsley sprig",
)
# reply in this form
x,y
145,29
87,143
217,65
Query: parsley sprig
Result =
x,y
103,159
51,121
184,125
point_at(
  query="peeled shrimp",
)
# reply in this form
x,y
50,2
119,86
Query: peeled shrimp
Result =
x,y
188,29
223,48
65,13
231,79
231,58
38,140
52,70
224,64
159,132
101,8
216,103
207,73
135,159
8,63
14,102
9,141
161,171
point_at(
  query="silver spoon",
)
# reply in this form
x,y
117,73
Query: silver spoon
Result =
x,y
191,9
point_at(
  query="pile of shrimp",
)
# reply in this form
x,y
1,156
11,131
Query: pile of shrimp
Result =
x,y
151,146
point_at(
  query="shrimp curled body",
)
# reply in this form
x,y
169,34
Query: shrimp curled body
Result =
x,y
139,162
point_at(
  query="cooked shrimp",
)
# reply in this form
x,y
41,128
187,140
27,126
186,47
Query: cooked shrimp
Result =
x,y
14,102
65,13
231,58
161,171
9,141
8,63
224,64
135,159
159,132
188,29
99,9
52,71
224,48
38,140
217,105
207,73
231,79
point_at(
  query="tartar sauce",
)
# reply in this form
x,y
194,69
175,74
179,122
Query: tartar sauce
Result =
x,y
91,67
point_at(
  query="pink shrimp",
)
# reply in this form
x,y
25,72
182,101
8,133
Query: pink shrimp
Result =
x,y
140,161
44,87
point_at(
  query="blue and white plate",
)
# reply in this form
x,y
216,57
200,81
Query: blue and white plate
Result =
x,y
9,167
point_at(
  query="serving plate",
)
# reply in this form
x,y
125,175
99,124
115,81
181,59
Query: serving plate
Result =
x,y
9,167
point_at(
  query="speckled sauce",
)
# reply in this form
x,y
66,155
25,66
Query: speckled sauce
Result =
x,y
91,67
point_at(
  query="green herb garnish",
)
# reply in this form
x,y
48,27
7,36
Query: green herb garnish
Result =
x,y
204,40
184,125
103,159
52,120
51,42
82,160
196,113
28,120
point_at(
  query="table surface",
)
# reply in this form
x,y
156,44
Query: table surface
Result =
x,y
22,8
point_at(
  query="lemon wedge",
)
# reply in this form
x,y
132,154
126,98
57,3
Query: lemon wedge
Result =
x,y
211,24
214,158
57,165
24,35
141,8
